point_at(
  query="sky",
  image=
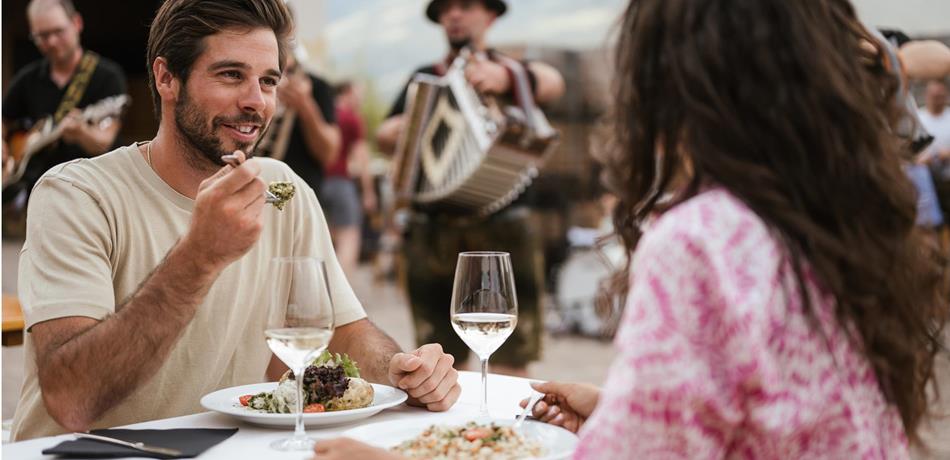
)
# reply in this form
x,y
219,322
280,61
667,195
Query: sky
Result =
x,y
387,39
384,40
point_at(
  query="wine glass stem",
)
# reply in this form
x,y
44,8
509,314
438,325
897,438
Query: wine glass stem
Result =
x,y
299,433
484,411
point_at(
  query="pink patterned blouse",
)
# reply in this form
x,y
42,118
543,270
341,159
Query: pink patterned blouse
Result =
x,y
717,360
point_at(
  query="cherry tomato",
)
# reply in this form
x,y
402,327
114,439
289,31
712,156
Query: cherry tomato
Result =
x,y
315,407
476,433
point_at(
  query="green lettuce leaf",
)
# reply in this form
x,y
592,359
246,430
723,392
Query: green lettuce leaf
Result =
x,y
334,360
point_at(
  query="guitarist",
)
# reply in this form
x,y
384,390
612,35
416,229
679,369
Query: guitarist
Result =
x,y
64,81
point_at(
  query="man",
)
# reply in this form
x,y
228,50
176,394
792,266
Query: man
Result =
x,y
64,81
314,140
144,276
435,239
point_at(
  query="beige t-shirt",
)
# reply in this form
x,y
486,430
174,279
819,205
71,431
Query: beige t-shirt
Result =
x,y
98,227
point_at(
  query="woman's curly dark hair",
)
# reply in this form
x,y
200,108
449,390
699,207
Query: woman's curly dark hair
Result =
x,y
789,107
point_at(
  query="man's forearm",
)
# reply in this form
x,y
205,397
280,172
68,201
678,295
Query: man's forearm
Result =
x,y
85,375
388,134
550,84
322,138
369,346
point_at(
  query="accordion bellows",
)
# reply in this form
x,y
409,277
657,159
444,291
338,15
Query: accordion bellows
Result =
x,y
464,153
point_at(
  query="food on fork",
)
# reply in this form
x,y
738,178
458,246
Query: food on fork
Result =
x,y
284,191
281,191
330,383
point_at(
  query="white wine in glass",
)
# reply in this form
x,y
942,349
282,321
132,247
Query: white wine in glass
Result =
x,y
484,306
484,332
299,326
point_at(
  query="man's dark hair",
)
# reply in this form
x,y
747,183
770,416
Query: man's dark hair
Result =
x,y
342,88
180,26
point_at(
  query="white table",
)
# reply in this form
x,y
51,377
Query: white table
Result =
x,y
252,442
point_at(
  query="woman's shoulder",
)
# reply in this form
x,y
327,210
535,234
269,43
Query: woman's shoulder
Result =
x,y
714,220
718,255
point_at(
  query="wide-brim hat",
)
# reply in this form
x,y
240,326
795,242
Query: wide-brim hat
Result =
x,y
432,11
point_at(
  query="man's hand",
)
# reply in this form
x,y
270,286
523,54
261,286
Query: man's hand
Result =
x,y
295,90
566,405
73,126
487,76
227,219
428,376
349,449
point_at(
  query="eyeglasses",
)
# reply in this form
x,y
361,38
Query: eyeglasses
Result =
x,y
41,37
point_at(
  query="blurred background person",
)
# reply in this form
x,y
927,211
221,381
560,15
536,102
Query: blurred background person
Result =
x,y
64,81
344,200
305,134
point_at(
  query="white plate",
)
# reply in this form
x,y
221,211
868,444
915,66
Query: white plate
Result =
x,y
227,402
557,442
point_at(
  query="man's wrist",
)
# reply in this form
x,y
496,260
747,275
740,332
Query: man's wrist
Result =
x,y
188,257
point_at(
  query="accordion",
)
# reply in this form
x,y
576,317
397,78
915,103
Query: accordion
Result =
x,y
464,153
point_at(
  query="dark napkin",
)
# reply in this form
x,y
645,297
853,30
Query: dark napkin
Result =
x,y
190,441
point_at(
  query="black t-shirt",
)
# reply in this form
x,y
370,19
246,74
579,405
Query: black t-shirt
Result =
x,y
32,96
298,155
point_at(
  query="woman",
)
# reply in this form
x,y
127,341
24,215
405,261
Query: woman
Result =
x,y
339,193
780,303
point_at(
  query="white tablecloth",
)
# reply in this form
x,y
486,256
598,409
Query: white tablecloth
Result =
x,y
252,442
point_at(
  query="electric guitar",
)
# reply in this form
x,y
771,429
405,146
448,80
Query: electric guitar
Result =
x,y
24,145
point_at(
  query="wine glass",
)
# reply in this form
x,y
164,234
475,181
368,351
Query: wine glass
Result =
x,y
484,306
299,326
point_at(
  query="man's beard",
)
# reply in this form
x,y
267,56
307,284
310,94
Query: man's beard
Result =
x,y
65,56
202,143
459,43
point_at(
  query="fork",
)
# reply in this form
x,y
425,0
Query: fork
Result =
x,y
232,160
535,397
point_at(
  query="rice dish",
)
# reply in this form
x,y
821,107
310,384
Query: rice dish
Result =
x,y
470,442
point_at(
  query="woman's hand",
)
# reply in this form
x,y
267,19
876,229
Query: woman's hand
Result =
x,y
567,405
350,449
